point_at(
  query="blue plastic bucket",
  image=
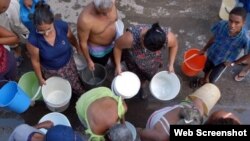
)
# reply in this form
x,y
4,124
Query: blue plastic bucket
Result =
x,y
14,98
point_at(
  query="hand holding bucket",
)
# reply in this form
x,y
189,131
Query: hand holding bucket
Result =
x,y
126,85
164,85
56,118
57,93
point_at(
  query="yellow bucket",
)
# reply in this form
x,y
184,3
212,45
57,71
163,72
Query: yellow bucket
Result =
x,y
226,7
209,95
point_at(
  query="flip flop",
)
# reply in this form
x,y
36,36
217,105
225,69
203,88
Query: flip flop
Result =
x,y
239,77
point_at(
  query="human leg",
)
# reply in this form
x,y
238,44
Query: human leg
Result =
x,y
207,70
216,72
72,75
197,82
12,67
243,73
18,54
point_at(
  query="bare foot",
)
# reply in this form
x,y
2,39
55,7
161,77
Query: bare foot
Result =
x,y
241,75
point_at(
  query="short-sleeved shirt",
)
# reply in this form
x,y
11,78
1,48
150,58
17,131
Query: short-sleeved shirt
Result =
x,y
10,20
23,132
56,56
225,47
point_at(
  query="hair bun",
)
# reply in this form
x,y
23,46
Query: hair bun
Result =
x,y
42,5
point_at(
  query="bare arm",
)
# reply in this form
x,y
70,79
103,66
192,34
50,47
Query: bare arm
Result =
x,y
199,104
83,30
15,22
243,58
35,60
73,40
209,43
173,47
125,41
46,124
7,37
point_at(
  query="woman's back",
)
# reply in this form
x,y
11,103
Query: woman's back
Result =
x,y
102,114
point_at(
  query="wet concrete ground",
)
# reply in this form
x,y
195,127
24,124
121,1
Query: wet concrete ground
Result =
x,y
190,20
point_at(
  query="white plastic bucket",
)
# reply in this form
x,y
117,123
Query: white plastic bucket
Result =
x,y
126,85
209,95
131,127
79,61
56,118
164,85
57,93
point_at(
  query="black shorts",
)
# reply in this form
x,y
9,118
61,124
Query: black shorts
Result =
x,y
216,71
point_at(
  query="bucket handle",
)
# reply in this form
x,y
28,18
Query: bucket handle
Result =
x,y
33,99
37,93
190,57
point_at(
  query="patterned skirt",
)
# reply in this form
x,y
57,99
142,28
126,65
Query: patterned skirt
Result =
x,y
68,72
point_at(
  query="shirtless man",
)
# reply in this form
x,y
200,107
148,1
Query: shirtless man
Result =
x,y
96,28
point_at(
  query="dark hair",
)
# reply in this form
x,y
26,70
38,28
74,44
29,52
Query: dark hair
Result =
x,y
190,115
240,11
222,121
42,14
119,132
154,38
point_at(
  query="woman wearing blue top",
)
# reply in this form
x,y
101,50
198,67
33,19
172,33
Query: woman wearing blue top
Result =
x,y
49,44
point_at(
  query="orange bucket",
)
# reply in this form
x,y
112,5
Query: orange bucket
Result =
x,y
193,62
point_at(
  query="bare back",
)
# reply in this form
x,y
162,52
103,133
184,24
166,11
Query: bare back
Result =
x,y
98,28
102,114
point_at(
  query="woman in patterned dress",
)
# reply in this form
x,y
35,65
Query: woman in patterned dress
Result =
x,y
142,46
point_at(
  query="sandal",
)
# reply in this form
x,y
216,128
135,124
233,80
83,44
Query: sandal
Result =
x,y
196,83
241,75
